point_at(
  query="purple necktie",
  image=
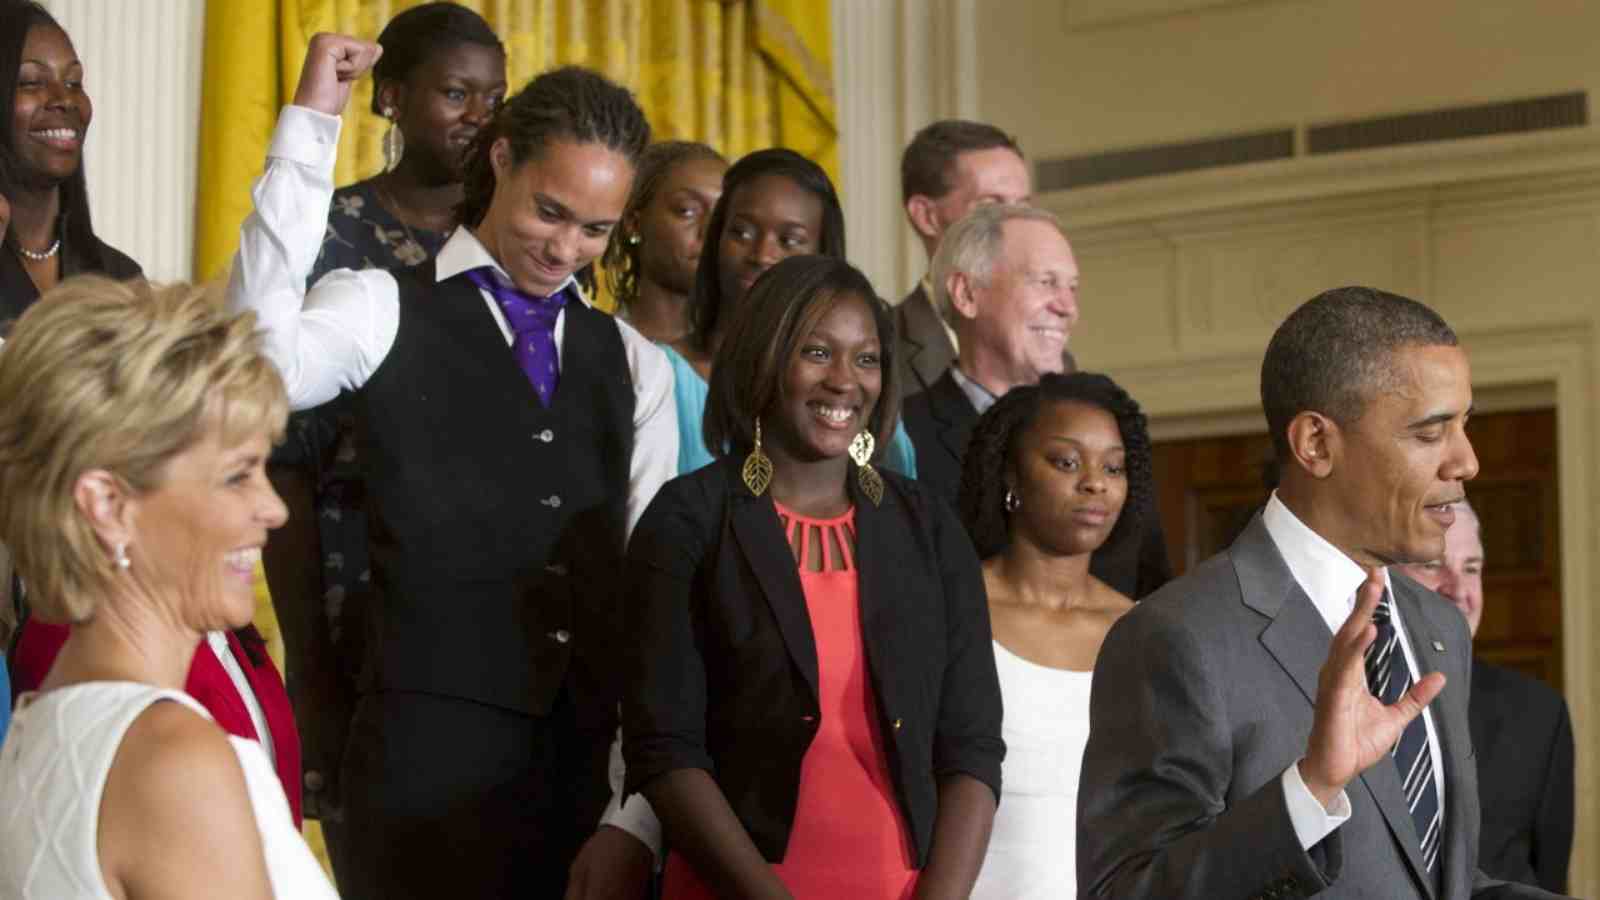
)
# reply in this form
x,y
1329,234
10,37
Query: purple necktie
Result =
x,y
533,327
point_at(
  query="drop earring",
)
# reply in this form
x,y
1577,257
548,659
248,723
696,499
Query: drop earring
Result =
x,y
394,142
757,472
861,451
1012,502
121,560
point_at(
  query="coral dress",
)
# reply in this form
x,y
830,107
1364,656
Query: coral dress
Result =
x,y
849,838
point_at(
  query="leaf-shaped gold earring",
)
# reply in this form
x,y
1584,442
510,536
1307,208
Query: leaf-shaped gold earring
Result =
x,y
861,451
757,472
394,143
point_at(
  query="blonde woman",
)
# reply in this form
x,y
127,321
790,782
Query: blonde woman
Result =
x,y
135,424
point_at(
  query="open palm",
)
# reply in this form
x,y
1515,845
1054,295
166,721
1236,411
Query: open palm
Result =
x,y
1353,730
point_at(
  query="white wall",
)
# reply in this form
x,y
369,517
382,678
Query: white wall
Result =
x,y
141,62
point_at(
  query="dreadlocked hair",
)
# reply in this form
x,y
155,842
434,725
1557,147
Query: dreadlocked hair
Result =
x,y
994,445
566,104
621,259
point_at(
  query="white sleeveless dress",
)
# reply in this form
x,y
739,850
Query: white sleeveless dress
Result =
x,y
1033,851
53,769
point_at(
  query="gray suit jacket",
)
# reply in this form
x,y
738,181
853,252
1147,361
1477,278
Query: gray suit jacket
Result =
x,y
922,346
1203,695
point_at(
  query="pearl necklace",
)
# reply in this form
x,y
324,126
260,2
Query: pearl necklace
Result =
x,y
38,256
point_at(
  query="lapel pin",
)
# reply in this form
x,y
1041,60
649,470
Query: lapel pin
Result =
x,y
1439,646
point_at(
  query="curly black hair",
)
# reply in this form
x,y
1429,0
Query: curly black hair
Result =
x,y
993,445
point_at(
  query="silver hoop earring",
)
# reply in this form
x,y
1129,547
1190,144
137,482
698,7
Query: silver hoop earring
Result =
x,y
121,560
1012,501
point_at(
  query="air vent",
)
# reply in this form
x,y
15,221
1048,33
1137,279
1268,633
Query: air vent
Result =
x,y
1165,159
1535,114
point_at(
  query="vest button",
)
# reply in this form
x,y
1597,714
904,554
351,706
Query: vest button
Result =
x,y
314,781
561,635
546,435
553,501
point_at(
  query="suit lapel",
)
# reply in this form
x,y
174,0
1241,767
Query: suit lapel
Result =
x,y
876,564
954,413
761,538
931,352
1297,638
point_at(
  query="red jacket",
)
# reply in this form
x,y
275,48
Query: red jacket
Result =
x,y
208,683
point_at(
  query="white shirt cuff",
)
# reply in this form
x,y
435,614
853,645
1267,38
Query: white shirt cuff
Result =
x,y
1311,822
305,136
637,818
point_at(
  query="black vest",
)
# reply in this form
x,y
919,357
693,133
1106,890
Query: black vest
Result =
x,y
497,525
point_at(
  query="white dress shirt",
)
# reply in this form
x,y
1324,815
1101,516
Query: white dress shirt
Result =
x,y
335,336
1330,579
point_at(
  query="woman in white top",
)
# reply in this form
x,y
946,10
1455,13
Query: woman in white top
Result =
x,y
135,424
1047,479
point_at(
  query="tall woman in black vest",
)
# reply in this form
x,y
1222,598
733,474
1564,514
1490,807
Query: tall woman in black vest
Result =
x,y
46,112
814,710
510,435
440,78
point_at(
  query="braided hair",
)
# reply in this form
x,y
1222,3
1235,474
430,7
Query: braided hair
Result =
x,y
621,259
994,446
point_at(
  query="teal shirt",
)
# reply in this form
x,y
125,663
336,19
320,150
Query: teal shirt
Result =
x,y
689,394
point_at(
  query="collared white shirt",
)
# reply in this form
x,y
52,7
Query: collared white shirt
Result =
x,y
335,336
1330,579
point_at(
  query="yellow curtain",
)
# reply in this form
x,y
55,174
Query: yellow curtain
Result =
x,y
737,74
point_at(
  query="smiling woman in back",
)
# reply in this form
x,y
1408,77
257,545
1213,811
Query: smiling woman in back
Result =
x,y
47,111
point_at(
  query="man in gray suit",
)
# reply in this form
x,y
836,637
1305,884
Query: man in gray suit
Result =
x,y
949,168
1243,740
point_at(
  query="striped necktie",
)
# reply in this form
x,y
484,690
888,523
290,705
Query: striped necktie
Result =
x,y
1389,678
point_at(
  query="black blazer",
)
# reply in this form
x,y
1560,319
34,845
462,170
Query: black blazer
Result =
x,y
939,422
18,292
726,679
1523,739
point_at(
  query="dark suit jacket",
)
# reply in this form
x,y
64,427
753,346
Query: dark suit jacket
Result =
x,y
940,422
726,678
923,347
1523,736
1204,695
208,682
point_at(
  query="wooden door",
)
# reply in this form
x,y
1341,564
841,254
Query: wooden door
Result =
x,y
1209,488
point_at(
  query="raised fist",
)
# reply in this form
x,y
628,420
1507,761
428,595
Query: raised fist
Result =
x,y
333,63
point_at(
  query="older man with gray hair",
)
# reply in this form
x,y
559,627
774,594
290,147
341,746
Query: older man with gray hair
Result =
x,y
1006,279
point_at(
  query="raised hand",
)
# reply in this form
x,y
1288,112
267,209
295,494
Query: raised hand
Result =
x,y
1353,730
333,63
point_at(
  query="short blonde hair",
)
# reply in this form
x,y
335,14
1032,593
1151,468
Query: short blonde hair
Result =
x,y
122,377
972,245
